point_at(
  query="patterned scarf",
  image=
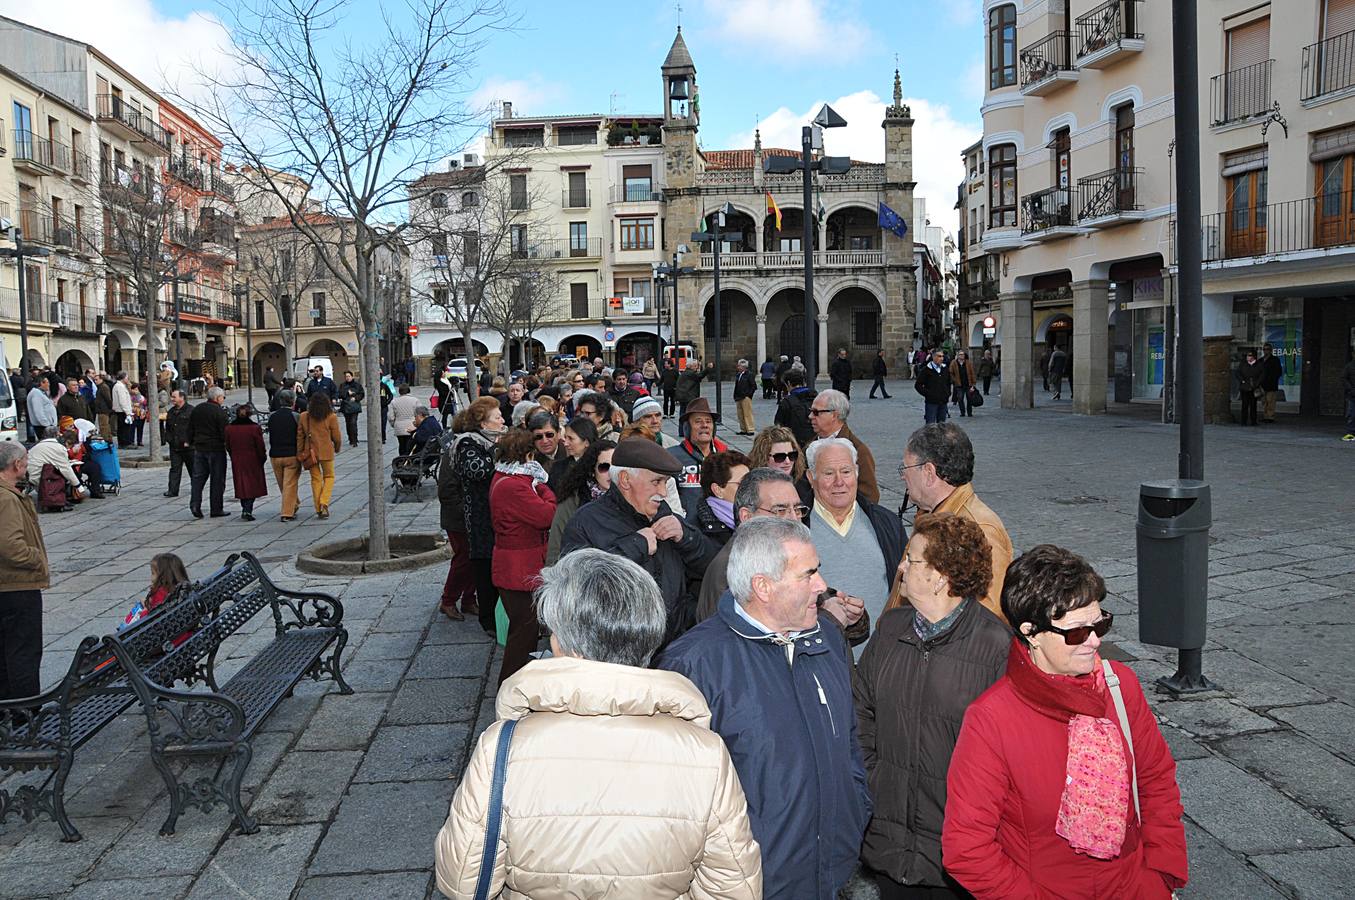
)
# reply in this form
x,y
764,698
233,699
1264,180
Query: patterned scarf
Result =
x,y
531,468
1094,808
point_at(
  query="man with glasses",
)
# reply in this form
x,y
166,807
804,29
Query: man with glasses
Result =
x,y
938,470
933,383
828,417
545,439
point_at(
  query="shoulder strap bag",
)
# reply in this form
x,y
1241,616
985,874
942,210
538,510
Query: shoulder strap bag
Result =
x,y
1113,682
494,816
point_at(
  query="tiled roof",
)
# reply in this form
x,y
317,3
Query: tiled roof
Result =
x,y
741,159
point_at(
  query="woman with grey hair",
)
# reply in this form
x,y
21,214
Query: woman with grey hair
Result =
x,y
614,783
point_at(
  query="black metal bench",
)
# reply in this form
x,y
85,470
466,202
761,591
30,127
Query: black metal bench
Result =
x,y
408,473
217,724
43,732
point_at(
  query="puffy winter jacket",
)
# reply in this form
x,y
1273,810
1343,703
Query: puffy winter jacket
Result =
x,y
616,787
521,510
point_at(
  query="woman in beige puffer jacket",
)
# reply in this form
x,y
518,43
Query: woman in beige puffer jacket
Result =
x,y
616,786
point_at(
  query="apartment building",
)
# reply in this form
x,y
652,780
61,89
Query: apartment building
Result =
x,y
201,238
977,294
45,193
610,198
1278,181
1077,199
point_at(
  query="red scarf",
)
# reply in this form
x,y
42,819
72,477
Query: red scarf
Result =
x,y
1057,696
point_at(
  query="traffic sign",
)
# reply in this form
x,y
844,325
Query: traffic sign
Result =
x,y
989,322
413,330
609,339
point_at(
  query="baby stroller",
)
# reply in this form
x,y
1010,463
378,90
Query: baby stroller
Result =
x,y
102,466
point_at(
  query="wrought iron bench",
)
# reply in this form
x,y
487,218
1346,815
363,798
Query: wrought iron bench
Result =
x,y
217,724
43,732
408,473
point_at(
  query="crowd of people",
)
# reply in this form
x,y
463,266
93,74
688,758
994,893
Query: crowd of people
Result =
x,y
758,681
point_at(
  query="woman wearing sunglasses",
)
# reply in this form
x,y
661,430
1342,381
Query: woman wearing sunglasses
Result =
x,y
775,447
1061,783
586,481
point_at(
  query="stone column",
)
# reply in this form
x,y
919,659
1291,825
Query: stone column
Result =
x,y
821,227
1018,357
823,347
758,229
1091,345
761,341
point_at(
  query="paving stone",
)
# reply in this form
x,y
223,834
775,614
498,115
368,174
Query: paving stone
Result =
x,y
435,700
1314,874
410,816
1255,685
1293,650
387,645
34,866
445,631
365,887
1330,724
305,787
1222,585
1181,744
1216,874
1249,562
267,864
343,722
416,753
292,713
1300,768
1210,718
1245,814
1343,564
166,887
269,750
378,675
1286,595
451,661
141,852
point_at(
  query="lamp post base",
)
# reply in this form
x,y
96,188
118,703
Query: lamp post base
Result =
x,y
1189,677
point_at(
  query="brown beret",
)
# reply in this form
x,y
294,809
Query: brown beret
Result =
x,y
642,453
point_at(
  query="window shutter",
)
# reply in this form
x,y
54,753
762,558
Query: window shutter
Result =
x,y
1331,144
1245,161
1248,44
636,172
1338,17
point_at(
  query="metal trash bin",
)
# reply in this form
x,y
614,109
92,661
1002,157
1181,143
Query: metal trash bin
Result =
x,y
1173,559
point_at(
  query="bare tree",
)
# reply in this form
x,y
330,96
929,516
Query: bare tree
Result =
x,y
517,306
356,120
280,266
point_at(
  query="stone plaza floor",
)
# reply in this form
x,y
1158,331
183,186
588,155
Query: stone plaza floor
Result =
x,y
350,790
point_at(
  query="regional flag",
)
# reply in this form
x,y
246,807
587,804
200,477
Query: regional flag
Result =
x,y
892,221
776,211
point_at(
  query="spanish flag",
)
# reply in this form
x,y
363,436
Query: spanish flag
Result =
x,y
776,211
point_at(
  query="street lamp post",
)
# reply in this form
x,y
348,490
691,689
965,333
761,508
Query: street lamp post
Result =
x,y
18,253
714,236
241,294
673,271
811,139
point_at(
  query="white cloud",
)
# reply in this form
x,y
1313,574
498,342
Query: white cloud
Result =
x,y
163,51
966,12
938,139
529,96
788,31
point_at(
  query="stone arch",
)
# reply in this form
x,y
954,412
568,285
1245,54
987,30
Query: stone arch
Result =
x,y
338,356
1042,332
268,353
570,344
739,231
738,328
1062,120
856,323
1130,93
753,290
792,227
853,219
453,348
34,357
73,363
784,311
976,338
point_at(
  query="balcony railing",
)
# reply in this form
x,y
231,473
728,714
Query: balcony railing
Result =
x,y
560,249
793,259
36,225
113,108
576,199
635,193
1328,66
187,171
217,184
129,307
1045,59
140,182
1240,94
37,304
82,166
1108,193
1108,25
32,149
1313,223
1043,210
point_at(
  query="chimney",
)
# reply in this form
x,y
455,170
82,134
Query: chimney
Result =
x,y
507,109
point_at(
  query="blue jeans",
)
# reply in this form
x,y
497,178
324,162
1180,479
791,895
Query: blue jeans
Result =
x,y
935,412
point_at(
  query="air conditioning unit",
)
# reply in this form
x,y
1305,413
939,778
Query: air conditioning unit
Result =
x,y
453,165
470,159
558,253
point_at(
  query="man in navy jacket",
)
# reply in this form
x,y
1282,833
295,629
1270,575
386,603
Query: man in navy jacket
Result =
x,y
776,675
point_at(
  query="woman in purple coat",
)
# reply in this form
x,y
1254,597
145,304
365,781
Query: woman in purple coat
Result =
x,y
244,443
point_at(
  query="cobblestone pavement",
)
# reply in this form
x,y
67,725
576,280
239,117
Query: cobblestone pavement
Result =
x,y
350,790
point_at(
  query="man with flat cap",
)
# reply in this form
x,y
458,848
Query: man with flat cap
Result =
x,y
633,519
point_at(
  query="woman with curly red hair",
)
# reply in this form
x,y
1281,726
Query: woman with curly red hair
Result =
x,y
927,661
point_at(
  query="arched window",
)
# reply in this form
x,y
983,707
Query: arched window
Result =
x,y
470,200
1001,47
439,201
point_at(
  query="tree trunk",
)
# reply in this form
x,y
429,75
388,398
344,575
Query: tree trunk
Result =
x,y
472,373
378,542
287,338
152,389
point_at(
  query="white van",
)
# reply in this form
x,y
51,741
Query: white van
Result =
x,y
306,363
9,410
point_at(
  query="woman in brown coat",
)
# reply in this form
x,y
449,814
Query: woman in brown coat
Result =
x,y
244,443
318,441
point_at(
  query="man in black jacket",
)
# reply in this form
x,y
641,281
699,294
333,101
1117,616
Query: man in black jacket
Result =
x,y
633,520
1272,371
103,405
282,451
793,411
207,436
71,403
745,386
934,385
351,396
176,438
878,369
840,371
668,382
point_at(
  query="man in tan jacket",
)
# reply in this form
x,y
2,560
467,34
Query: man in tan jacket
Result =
x,y
23,575
938,468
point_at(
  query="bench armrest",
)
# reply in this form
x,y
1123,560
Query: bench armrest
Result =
x,y
310,609
195,717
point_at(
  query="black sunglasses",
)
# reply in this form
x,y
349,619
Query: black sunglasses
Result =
x,y
604,467
791,455
1075,636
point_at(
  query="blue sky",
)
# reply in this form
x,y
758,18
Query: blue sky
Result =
x,y
767,62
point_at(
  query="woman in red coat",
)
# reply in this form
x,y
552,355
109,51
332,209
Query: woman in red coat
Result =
x,y
521,507
1046,797
244,443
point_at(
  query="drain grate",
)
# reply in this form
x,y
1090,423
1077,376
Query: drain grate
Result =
x,y
1079,500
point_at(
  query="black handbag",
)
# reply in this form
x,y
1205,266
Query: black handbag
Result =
x,y
975,397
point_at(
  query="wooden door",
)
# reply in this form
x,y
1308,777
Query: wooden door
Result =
x,y
1246,235
1334,223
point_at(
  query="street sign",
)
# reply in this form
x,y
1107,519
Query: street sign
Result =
x,y
413,330
989,322
609,339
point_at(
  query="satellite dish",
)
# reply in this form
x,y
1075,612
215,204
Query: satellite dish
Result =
x,y
827,118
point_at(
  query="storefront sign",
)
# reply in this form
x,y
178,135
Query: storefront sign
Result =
x,y
633,304
1148,290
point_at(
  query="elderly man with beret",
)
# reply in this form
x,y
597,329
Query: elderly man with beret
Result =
x,y
633,519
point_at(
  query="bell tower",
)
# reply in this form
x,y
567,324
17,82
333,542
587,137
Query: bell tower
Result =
x,y
681,162
900,318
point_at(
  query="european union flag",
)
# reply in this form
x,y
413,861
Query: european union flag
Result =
x,y
892,221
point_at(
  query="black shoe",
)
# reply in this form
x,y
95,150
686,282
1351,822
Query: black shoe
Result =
x,y
246,517
197,513
168,494
219,515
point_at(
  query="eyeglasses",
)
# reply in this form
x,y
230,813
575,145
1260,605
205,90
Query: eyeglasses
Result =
x,y
819,412
604,467
1078,635
791,455
543,436
904,467
799,509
